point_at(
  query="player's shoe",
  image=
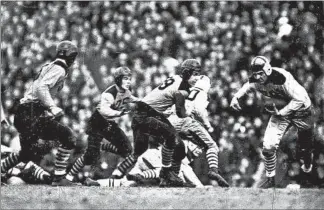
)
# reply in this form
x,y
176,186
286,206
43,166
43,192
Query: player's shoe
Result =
x,y
63,181
169,178
90,182
27,174
135,177
307,159
214,175
268,183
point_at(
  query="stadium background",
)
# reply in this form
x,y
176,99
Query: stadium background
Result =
x,y
152,38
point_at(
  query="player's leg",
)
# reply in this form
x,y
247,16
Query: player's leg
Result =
x,y
156,127
304,121
24,122
109,147
124,147
49,129
203,138
147,167
24,155
88,158
276,128
34,174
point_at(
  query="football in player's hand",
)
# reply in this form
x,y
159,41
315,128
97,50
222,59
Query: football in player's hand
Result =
x,y
280,103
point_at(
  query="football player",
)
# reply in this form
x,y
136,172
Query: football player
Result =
x,y
37,114
149,119
197,123
278,83
102,125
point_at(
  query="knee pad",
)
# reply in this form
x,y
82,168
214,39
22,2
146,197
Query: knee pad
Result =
x,y
179,152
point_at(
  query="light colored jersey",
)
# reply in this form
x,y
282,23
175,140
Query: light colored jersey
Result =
x,y
162,97
113,101
290,91
196,107
47,83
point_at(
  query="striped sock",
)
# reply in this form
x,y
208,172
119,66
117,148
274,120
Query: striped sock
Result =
x,y
166,156
109,147
270,165
151,174
40,173
61,159
175,166
126,164
9,162
76,168
212,158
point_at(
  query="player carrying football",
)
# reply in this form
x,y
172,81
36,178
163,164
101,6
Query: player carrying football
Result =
x,y
102,125
277,83
37,114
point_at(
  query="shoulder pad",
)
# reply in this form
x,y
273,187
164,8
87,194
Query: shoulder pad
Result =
x,y
112,90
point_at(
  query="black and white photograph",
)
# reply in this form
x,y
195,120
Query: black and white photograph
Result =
x,y
162,104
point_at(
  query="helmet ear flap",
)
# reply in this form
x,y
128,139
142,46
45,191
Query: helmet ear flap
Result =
x,y
267,68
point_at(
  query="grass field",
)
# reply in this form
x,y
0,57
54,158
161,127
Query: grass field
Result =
x,y
46,197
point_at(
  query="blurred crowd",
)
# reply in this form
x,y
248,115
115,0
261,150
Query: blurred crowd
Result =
x,y
152,38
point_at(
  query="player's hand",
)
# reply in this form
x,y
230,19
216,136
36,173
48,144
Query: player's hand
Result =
x,y
235,104
124,111
272,109
56,111
210,130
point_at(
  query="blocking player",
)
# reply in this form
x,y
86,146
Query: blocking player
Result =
x,y
279,84
197,123
37,113
149,119
102,125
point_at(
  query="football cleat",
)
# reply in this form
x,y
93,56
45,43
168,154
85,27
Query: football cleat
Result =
x,y
268,183
169,178
62,181
214,175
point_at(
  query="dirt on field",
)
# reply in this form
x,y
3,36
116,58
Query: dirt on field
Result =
x,y
46,197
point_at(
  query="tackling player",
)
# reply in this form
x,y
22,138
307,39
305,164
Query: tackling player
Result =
x,y
102,125
196,124
149,119
279,84
37,113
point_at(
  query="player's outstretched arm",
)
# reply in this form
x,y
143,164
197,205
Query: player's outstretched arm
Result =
x,y
247,87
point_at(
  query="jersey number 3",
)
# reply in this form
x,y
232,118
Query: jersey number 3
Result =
x,y
166,83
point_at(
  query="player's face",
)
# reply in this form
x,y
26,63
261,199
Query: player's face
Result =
x,y
260,77
194,78
126,82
